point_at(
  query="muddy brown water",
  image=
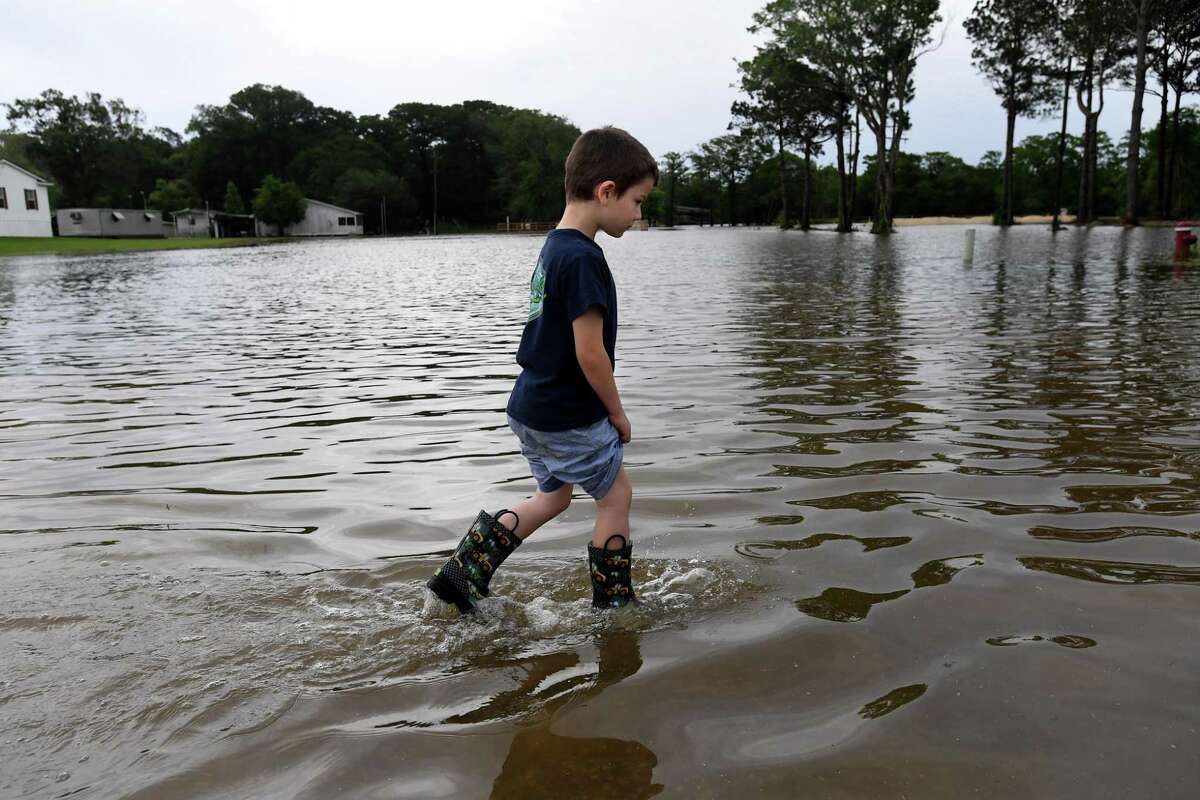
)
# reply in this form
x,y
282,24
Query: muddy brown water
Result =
x,y
905,527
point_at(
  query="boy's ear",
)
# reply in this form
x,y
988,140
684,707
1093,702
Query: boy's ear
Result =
x,y
606,191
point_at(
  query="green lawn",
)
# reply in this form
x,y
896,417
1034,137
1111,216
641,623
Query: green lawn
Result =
x,y
36,245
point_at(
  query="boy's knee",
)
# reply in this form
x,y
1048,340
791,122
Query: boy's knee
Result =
x,y
559,500
619,494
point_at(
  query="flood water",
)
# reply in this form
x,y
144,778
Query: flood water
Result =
x,y
905,527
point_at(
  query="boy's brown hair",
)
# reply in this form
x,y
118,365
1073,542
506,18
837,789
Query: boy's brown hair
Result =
x,y
607,154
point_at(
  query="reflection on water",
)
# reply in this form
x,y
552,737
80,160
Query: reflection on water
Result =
x,y
844,605
224,476
542,764
892,701
1114,571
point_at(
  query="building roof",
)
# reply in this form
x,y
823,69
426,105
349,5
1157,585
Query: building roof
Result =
x,y
331,205
37,178
134,211
212,212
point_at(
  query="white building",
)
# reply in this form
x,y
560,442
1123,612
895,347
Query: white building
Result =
x,y
201,223
320,219
112,223
24,202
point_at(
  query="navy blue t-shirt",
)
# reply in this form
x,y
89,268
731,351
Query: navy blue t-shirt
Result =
x,y
571,276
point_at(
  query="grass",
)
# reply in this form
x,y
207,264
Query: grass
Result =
x,y
38,245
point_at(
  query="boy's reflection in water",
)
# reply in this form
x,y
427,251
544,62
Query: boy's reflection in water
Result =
x,y
543,764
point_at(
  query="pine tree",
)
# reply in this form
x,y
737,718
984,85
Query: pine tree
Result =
x,y
1014,41
233,200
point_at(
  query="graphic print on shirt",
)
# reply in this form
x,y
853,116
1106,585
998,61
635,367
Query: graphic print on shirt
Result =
x,y
537,291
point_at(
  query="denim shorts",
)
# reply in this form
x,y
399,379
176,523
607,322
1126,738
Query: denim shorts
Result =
x,y
588,457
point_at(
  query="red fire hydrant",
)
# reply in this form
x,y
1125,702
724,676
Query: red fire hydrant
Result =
x,y
1184,239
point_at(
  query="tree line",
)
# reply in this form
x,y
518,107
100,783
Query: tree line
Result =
x,y
831,78
833,72
470,164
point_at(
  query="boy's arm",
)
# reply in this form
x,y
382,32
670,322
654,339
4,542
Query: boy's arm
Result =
x,y
588,328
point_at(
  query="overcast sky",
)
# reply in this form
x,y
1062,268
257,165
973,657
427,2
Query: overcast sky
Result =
x,y
664,69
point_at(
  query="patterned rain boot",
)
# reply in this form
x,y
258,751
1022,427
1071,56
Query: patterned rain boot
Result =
x,y
463,580
612,586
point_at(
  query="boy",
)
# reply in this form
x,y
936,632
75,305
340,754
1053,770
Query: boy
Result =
x,y
565,408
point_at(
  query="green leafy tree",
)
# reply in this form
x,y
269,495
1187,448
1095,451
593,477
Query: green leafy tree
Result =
x,y
1142,13
819,34
1099,41
259,132
529,152
894,35
170,196
1184,143
97,151
279,203
788,103
652,207
1178,68
1013,47
674,170
233,200
383,198
16,147
730,159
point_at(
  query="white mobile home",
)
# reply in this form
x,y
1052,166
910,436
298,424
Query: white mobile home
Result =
x,y
135,223
320,219
24,202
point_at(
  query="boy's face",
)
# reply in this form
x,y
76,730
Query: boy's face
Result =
x,y
619,212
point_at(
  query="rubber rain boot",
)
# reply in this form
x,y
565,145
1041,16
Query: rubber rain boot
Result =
x,y
463,580
612,586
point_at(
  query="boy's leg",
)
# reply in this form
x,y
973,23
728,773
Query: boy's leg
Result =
x,y
610,554
612,513
464,578
534,512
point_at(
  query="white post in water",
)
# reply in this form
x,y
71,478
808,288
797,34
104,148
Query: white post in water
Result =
x,y
969,247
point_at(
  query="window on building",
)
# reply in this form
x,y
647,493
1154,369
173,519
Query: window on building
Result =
x,y
3,197
117,216
148,216
76,217
31,199
341,222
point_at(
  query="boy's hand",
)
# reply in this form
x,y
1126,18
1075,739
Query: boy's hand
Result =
x,y
621,423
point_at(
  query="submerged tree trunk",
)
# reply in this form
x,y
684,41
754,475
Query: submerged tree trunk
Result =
x,y
882,219
805,208
1006,214
783,198
1135,123
1093,157
671,200
1062,148
854,151
1084,216
1171,158
1162,145
843,218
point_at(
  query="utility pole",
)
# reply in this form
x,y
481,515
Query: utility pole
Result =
x,y
434,146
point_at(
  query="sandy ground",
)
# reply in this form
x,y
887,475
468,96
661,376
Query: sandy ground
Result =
x,y
1032,219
